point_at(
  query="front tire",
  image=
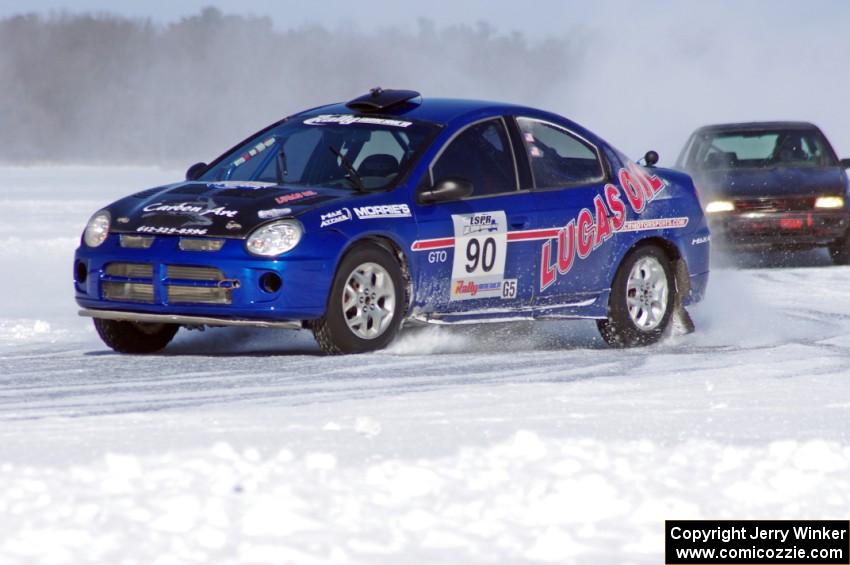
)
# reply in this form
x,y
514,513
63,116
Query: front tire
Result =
x,y
642,299
366,303
134,337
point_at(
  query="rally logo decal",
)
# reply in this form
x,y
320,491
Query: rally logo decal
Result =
x,y
171,231
479,270
188,209
335,217
193,213
578,238
481,223
241,184
348,119
253,152
591,228
293,196
274,213
383,211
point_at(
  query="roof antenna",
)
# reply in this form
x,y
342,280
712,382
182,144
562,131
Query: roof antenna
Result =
x,y
375,92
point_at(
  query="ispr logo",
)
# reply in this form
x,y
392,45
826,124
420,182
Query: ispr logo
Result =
x,y
478,223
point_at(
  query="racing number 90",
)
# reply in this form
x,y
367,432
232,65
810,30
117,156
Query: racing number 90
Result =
x,y
483,254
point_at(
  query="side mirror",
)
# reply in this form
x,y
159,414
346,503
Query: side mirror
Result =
x,y
446,190
651,158
845,163
196,171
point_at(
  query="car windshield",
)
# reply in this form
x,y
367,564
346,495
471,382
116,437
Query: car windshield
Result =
x,y
759,149
338,150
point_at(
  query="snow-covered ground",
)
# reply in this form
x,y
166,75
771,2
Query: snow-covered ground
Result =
x,y
500,444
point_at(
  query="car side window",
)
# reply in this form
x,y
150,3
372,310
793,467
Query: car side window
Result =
x,y
482,155
379,160
558,158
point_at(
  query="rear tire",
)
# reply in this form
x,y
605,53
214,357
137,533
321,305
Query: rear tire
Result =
x,y
134,337
366,303
642,301
839,250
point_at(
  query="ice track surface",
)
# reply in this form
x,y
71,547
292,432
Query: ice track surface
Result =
x,y
498,444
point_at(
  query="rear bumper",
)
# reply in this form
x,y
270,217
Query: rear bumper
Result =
x,y
753,229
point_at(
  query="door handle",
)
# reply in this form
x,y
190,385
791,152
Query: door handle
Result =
x,y
519,222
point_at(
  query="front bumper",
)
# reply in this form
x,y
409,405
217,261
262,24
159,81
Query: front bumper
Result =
x,y
240,295
798,228
122,316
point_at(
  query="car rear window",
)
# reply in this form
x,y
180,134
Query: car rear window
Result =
x,y
558,158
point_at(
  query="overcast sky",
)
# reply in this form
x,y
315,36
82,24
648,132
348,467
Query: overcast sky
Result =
x,y
651,72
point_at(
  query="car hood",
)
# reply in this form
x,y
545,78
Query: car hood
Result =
x,y
222,209
769,182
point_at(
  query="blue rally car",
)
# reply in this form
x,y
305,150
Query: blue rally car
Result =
x,y
351,219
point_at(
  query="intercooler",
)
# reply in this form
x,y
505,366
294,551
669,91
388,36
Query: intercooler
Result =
x,y
180,284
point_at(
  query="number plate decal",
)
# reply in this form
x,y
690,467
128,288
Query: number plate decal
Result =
x,y
481,246
509,288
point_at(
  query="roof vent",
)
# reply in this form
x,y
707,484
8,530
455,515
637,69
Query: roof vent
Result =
x,y
380,99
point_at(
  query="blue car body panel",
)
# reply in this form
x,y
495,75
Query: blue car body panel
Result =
x,y
559,257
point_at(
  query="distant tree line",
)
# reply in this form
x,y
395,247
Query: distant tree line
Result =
x,y
100,88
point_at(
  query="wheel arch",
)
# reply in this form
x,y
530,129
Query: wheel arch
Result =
x,y
391,246
681,275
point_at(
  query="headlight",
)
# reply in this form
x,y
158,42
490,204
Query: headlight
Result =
x,y
829,202
97,229
719,206
275,238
